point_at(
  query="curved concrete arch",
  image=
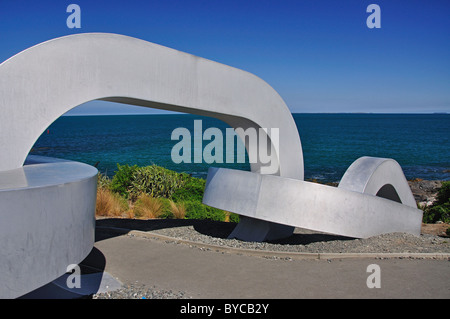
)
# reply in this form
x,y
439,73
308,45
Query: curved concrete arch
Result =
x,y
379,177
43,82
308,205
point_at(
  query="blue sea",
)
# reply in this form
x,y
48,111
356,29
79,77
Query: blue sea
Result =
x,y
330,142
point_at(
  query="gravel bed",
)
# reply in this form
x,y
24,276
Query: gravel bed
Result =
x,y
140,292
216,233
322,243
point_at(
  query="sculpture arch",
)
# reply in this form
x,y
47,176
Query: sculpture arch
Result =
x,y
379,177
42,83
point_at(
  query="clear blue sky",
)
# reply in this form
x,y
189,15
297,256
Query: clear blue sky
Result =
x,y
318,54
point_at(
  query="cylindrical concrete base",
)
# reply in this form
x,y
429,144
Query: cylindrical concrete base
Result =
x,y
47,214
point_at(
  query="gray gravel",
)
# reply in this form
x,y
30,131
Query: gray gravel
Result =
x,y
137,291
216,233
304,241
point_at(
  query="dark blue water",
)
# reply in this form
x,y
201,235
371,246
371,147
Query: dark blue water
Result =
x,y
331,142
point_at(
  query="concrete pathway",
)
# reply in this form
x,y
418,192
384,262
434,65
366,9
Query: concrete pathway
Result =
x,y
203,273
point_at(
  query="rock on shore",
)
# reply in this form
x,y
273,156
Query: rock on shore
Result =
x,y
424,191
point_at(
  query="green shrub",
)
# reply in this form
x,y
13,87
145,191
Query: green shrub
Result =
x,y
436,213
443,195
122,180
156,181
440,210
178,193
192,190
153,180
196,210
234,218
167,213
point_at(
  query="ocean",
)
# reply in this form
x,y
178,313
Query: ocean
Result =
x,y
420,143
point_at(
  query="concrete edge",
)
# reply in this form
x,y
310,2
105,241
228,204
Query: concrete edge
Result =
x,y
274,254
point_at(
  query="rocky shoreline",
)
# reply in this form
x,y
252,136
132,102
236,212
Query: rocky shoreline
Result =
x,y
424,191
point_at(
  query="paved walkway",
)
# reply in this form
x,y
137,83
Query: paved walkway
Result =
x,y
203,273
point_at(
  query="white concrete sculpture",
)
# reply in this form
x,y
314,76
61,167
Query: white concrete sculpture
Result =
x,y
47,207
47,210
370,206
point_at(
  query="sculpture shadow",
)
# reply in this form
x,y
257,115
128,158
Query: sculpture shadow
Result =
x,y
305,237
112,227
91,274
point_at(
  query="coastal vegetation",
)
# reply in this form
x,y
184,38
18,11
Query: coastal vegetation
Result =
x,y
440,209
154,192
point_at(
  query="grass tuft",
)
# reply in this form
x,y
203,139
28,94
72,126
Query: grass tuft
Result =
x,y
178,210
109,204
148,207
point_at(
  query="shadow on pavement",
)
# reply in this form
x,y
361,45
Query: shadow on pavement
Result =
x,y
211,228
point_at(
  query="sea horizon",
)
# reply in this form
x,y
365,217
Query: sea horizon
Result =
x,y
331,142
179,113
